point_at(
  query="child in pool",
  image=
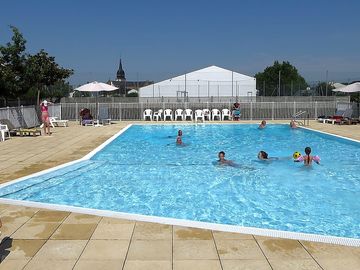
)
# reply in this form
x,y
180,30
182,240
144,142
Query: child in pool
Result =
x,y
293,124
222,160
262,124
262,155
307,158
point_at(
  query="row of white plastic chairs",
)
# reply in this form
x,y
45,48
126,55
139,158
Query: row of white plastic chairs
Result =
x,y
187,114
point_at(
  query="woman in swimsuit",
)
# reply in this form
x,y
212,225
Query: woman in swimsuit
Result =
x,y
45,116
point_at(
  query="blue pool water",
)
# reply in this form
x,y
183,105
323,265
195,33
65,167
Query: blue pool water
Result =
x,y
144,172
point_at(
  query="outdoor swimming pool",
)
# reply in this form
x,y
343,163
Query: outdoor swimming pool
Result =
x,y
143,172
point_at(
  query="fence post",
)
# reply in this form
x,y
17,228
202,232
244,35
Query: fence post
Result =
x,y
294,107
76,111
120,111
8,112
251,110
272,110
141,110
316,109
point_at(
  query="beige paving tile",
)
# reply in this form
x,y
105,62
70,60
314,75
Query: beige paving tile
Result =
x,y
99,265
13,264
8,229
152,231
239,249
246,265
197,265
17,214
36,264
147,265
49,216
113,231
294,264
14,249
185,233
231,236
107,220
159,250
283,249
195,250
346,263
74,232
328,251
105,250
61,249
36,230
75,218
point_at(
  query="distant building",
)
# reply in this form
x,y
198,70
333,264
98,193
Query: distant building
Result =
x,y
124,85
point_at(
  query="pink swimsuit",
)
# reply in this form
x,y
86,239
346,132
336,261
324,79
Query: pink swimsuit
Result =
x,y
44,113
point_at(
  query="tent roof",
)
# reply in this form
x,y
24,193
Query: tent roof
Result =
x,y
211,73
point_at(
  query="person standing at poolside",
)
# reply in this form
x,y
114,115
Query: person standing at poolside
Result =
x,y
45,116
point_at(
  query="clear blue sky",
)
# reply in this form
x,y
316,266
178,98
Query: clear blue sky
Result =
x,y
158,39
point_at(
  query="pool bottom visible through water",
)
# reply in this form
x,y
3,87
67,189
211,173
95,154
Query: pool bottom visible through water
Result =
x,y
143,171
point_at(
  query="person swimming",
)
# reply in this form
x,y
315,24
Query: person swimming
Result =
x,y
223,161
262,155
307,158
179,140
293,124
262,124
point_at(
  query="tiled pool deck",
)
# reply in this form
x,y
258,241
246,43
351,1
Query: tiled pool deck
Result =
x,y
44,239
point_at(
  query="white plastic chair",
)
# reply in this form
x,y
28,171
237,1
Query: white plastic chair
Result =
x,y
157,115
207,114
225,113
215,114
188,114
179,113
4,129
168,113
199,114
147,114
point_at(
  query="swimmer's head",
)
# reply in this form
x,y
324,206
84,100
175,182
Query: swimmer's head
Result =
x,y
262,155
308,150
263,122
221,155
179,132
178,140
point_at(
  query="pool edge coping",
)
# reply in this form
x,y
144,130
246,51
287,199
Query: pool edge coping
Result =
x,y
327,239
174,221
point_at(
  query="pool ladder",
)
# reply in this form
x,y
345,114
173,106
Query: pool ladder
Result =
x,y
301,118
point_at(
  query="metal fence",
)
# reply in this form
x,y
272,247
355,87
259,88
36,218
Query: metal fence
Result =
x,y
23,116
249,110
27,116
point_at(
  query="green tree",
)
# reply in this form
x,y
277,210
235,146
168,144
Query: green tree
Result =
x,y
320,89
42,72
12,65
268,80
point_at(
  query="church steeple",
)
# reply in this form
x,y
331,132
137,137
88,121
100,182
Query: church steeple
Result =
x,y
120,74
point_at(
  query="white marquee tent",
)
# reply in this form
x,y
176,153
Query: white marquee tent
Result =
x,y
212,81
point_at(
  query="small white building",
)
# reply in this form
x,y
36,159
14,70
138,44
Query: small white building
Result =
x,y
208,83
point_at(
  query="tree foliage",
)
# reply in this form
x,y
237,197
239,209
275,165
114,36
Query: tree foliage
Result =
x,y
26,75
268,80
